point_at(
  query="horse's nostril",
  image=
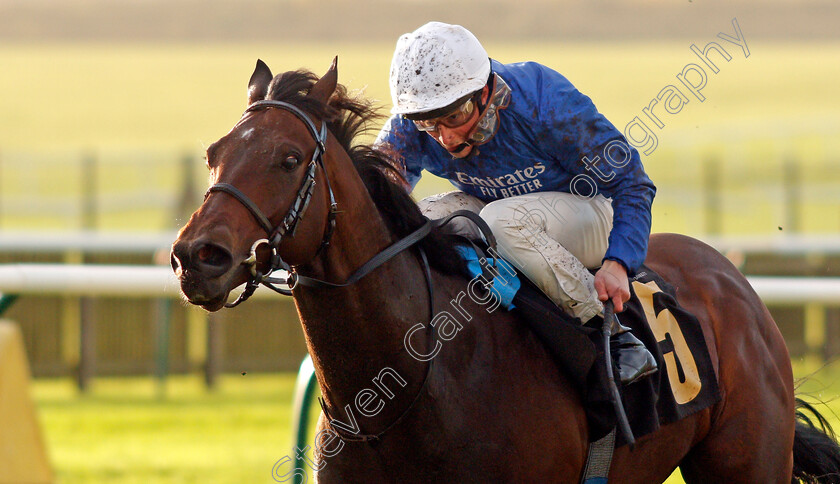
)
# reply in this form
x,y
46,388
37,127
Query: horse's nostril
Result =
x,y
212,255
212,259
179,257
203,258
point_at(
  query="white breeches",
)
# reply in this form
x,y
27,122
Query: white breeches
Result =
x,y
552,237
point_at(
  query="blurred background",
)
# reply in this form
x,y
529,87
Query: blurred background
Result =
x,y
107,106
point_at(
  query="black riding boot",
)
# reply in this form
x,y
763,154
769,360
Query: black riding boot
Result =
x,y
633,359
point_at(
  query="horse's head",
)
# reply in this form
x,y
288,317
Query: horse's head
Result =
x,y
262,176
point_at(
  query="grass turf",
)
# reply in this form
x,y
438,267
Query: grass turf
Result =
x,y
123,431
97,95
140,108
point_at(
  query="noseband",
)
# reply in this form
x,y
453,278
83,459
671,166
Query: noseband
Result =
x,y
293,216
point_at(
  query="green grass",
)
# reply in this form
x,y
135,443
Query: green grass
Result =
x,y
123,432
78,96
141,107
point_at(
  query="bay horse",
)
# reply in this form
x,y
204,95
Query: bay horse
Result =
x,y
490,405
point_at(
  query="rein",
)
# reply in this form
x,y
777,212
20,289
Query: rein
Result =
x,y
288,226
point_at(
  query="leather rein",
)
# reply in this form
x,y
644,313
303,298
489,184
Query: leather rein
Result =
x,y
289,224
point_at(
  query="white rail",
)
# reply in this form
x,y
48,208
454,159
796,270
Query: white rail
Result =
x,y
150,242
93,280
86,241
782,244
159,281
797,290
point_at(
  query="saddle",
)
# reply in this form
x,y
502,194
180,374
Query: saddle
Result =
x,y
685,384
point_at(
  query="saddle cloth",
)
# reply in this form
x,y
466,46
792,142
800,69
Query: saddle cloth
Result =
x,y
685,383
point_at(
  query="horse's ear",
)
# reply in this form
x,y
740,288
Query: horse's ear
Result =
x,y
258,84
325,87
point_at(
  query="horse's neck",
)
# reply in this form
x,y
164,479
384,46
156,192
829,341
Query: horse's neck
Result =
x,y
355,333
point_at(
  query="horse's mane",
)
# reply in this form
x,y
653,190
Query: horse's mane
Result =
x,y
348,118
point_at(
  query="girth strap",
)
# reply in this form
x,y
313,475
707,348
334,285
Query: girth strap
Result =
x,y
598,460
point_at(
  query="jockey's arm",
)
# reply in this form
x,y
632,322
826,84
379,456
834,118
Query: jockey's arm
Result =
x,y
600,152
631,200
631,195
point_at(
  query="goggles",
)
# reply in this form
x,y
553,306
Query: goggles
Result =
x,y
454,119
488,119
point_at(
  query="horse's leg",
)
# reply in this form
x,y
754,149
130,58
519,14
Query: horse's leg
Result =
x,y
743,448
751,433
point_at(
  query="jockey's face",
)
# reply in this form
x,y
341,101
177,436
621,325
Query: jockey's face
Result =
x,y
454,140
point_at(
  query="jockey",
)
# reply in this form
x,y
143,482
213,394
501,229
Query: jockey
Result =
x,y
556,182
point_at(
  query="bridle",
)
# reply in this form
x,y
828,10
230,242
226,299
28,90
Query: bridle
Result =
x,y
290,223
293,216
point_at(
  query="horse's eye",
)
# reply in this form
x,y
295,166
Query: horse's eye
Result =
x,y
290,162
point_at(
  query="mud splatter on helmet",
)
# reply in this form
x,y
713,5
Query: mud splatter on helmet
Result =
x,y
434,66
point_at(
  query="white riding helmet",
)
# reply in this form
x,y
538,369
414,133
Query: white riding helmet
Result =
x,y
434,66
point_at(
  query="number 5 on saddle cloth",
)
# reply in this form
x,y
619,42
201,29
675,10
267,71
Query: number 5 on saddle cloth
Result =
x,y
686,382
